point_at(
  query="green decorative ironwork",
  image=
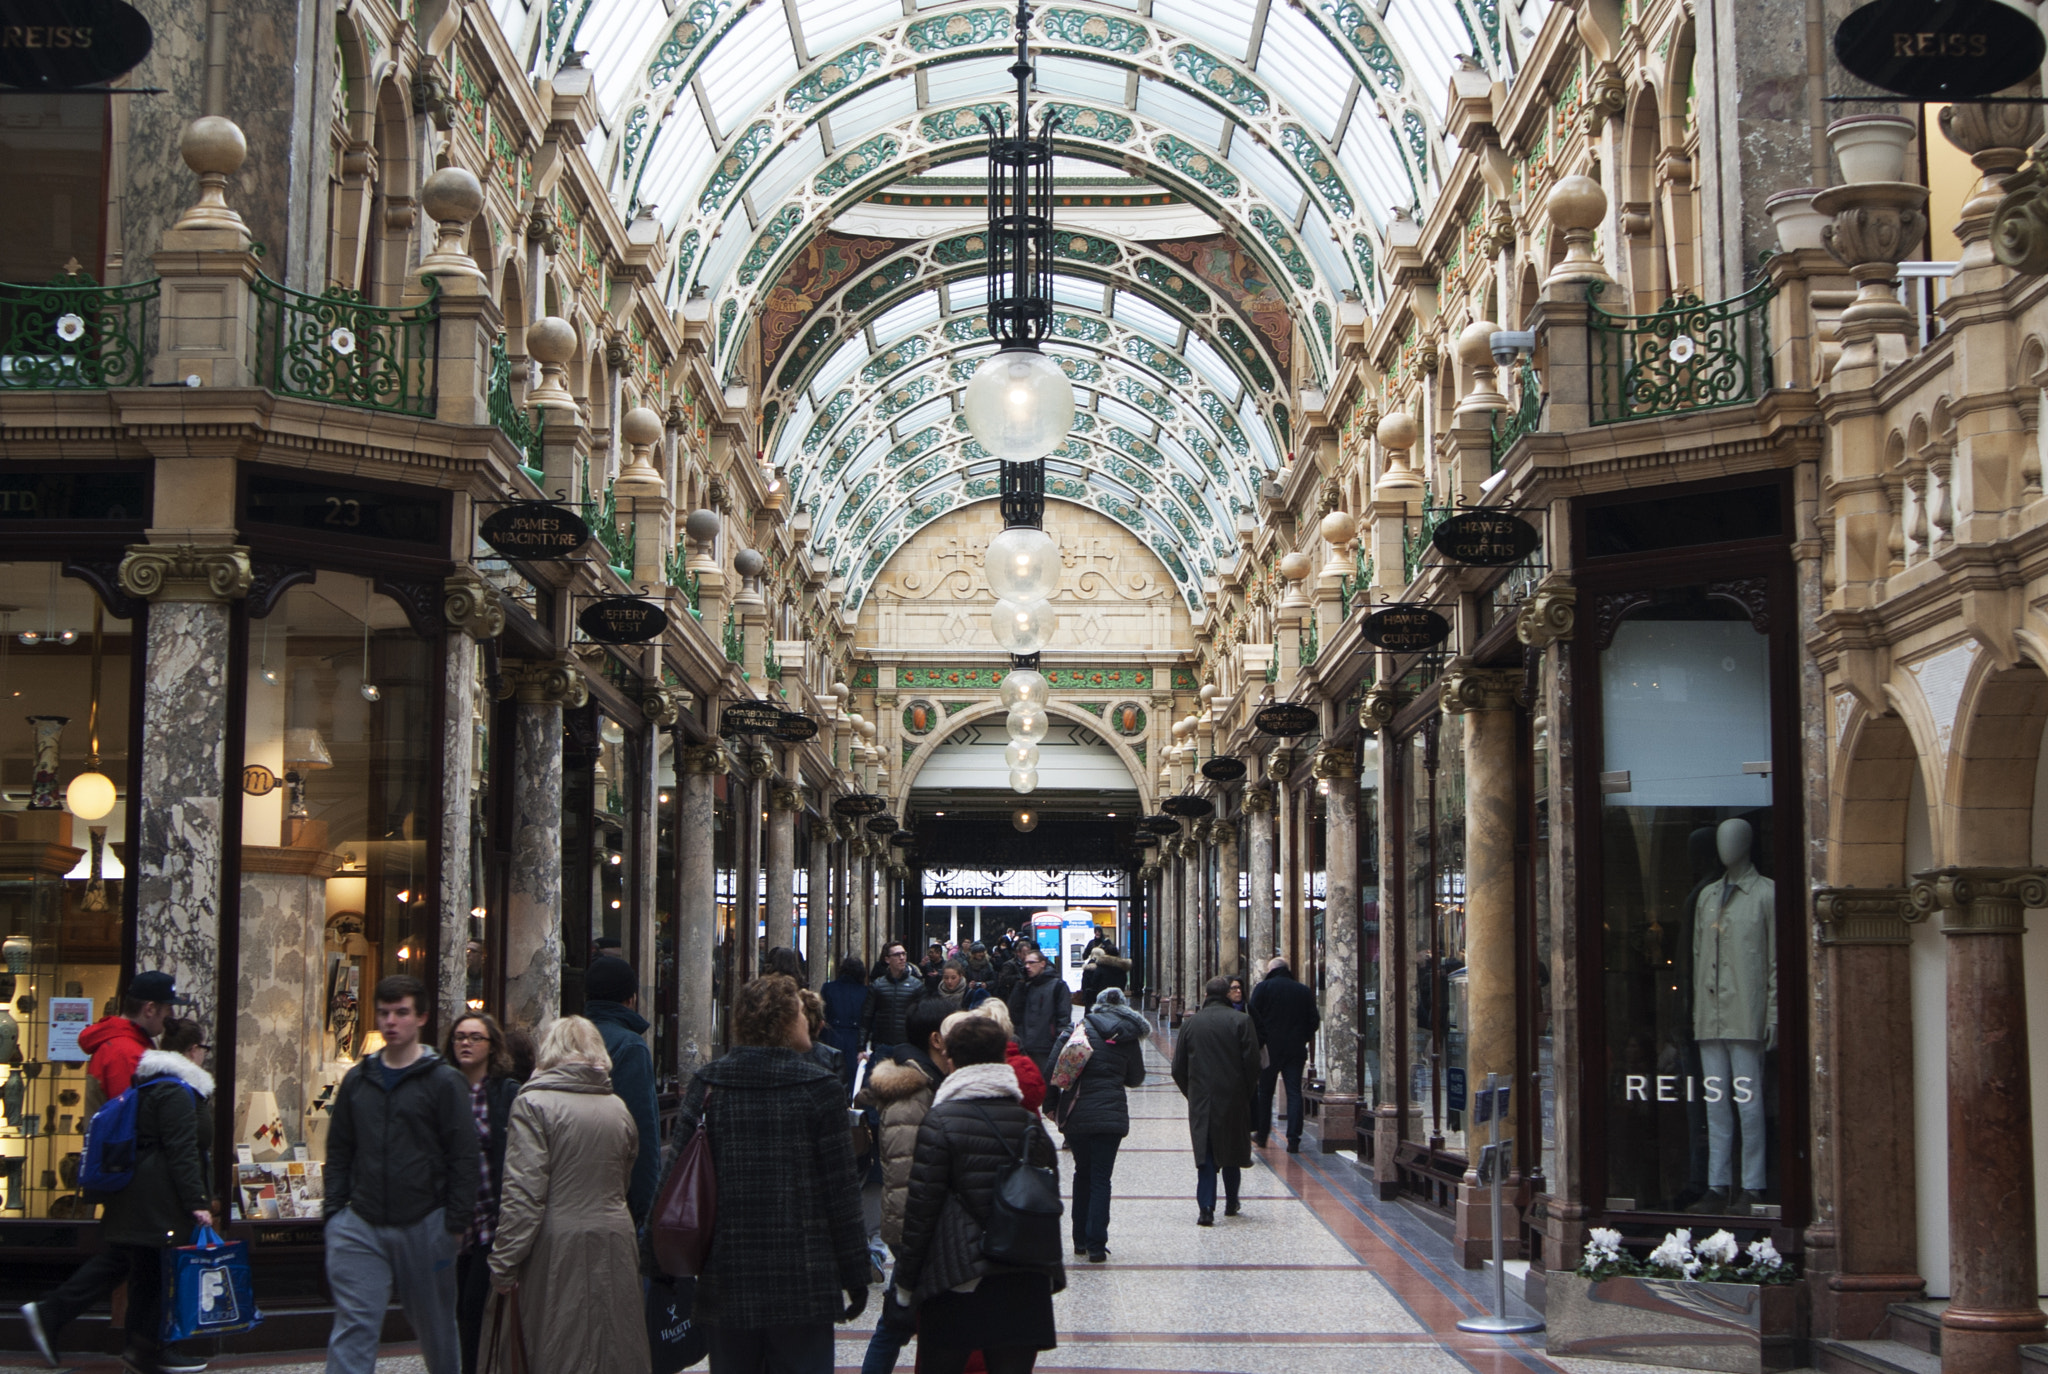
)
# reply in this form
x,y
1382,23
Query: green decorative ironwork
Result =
x,y
1415,543
617,543
771,667
71,333
828,79
509,416
735,642
334,348
675,570
1096,31
1510,425
1311,643
1273,665
1689,355
1348,586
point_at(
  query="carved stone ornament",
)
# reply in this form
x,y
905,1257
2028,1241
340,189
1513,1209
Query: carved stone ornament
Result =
x,y
663,705
1865,915
2019,226
553,683
544,228
1875,225
1335,764
1258,799
1979,901
1550,614
1500,235
471,605
431,97
783,797
703,759
1479,689
186,572
1606,97
1380,704
1997,138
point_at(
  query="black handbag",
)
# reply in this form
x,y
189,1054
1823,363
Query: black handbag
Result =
x,y
1024,1218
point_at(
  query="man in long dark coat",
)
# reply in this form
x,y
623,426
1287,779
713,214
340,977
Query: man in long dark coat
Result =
x,y
1216,1067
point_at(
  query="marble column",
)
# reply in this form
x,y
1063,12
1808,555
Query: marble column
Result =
x,y
842,891
1168,923
1486,700
860,867
471,608
1190,948
533,897
1339,768
179,854
1867,1103
817,902
1258,840
697,909
1201,910
1993,1306
784,801
1229,908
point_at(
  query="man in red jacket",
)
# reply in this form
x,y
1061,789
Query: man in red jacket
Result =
x,y
117,1044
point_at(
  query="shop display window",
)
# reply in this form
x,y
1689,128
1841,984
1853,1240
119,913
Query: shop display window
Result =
x,y
1689,909
340,794
53,218
65,680
1435,938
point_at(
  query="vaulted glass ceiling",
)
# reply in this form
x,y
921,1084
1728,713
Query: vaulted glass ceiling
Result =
x,y
1227,169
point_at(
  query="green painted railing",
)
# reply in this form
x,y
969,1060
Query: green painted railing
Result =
x,y
618,543
1689,355
1415,543
1349,586
1311,643
522,429
769,664
1273,665
735,642
72,334
334,348
688,583
1510,425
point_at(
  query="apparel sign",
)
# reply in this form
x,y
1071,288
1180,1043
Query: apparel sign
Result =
x,y
534,529
1161,825
1286,718
750,718
1223,769
1406,629
56,45
1940,49
1486,539
1191,807
859,804
622,620
884,824
795,727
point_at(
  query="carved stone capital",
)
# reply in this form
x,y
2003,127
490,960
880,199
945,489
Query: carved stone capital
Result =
x,y
1258,799
2019,226
1551,614
1979,901
471,605
1864,915
1380,704
784,797
1148,871
1281,761
1335,764
1479,689
703,759
186,572
1606,97
663,705
556,682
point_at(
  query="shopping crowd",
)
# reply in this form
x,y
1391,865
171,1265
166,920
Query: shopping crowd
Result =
x,y
518,1202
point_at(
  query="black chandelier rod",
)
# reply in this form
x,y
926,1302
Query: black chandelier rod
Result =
x,y
1020,189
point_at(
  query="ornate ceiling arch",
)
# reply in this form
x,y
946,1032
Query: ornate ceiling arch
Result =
x,y
1063,709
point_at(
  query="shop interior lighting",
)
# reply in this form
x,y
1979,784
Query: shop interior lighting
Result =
x,y
369,688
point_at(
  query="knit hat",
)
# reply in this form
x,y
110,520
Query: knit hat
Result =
x,y
610,980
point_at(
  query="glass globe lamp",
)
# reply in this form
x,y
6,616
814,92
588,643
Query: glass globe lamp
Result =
x,y
1024,687
1023,564
1025,820
1019,404
1027,724
1022,627
1021,754
90,797
1024,779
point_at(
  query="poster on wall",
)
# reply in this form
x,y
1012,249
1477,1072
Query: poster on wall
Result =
x,y
69,1016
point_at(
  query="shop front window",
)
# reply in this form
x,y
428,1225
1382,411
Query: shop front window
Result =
x,y
1436,933
339,793
1690,914
65,675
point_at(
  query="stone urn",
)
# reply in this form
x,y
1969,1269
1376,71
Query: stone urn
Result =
x,y
1798,224
1872,147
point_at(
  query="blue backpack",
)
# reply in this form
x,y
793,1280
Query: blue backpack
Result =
x,y
107,1164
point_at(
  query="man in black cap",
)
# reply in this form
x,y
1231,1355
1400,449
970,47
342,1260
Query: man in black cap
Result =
x,y
611,994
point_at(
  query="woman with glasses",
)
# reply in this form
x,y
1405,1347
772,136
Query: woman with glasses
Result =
x,y
476,1045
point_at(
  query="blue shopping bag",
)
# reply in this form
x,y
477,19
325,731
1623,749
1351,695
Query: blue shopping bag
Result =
x,y
207,1290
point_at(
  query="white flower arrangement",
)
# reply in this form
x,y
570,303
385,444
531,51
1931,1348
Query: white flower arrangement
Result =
x,y
1720,1258
1766,1265
1604,1257
1674,1258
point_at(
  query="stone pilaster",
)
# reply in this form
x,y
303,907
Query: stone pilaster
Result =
x,y
533,896
860,871
1229,912
470,606
1168,924
1341,913
1200,910
1258,840
1486,700
1993,1308
697,910
784,801
817,903
180,850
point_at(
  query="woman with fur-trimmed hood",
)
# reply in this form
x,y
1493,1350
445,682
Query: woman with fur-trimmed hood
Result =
x,y
1106,968
900,1089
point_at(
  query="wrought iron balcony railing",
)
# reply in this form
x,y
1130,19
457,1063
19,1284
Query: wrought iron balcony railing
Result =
x,y
332,347
1689,355
72,334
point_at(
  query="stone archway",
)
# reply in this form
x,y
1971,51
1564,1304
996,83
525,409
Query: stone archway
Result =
x,y
1059,709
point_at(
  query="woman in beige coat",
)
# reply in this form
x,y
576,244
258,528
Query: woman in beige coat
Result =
x,y
565,1240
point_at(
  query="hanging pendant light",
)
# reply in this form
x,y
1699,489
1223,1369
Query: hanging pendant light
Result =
x,y
90,797
368,689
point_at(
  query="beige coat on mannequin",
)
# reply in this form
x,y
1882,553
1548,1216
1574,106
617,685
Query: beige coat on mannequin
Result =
x,y
563,1229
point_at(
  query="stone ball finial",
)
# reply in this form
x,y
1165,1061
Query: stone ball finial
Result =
x,y
452,195
1294,566
702,525
748,563
1576,202
1339,528
1208,693
1397,431
551,339
214,146
1475,343
641,426
843,692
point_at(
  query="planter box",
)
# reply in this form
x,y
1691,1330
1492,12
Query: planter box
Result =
x,y
1737,1328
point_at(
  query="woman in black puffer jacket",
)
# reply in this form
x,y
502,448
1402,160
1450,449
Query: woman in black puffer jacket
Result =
x,y
974,1128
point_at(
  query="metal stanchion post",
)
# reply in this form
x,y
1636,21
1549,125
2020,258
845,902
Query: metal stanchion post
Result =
x,y
1499,1323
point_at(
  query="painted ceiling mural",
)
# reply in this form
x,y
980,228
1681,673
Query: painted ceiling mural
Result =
x,y
1224,263
827,262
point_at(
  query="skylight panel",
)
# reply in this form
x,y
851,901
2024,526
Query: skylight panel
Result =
x,y
780,174
1178,451
840,365
789,443
917,417
1211,365
1146,318
861,116
1255,425
1372,164
966,295
618,45
907,318
829,25
1181,112
1077,292
1303,69
1329,256
676,162
750,67
1130,417
1429,34
725,252
1268,173
978,78
1081,79
1226,27
511,17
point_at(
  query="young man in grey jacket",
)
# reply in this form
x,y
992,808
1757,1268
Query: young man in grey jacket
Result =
x,y
403,1167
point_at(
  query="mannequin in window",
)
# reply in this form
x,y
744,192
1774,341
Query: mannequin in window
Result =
x,y
1734,1016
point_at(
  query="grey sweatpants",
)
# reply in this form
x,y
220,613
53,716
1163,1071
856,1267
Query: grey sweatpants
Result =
x,y
364,1263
